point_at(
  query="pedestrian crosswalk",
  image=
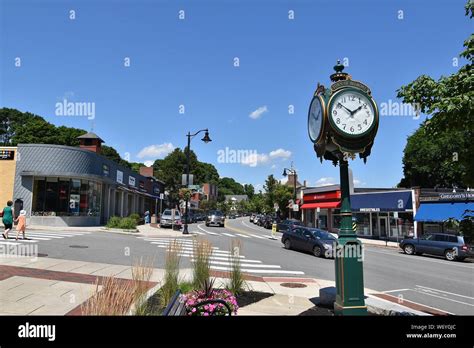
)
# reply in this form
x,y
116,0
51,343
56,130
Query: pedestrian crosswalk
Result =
x,y
37,236
197,229
220,260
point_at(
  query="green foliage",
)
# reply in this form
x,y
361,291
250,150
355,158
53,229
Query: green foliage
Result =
x,y
257,203
135,217
171,279
432,160
208,205
228,186
113,155
201,264
224,207
449,100
127,223
236,283
249,190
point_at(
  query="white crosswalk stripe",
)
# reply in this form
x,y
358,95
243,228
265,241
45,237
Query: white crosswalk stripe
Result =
x,y
256,236
228,235
243,235
36,236
220,260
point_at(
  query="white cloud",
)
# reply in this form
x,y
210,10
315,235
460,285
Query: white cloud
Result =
x,y
326,181
256,159
280,153
148,163
259,112
358,182
156,151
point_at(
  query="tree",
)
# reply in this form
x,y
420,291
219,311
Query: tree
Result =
x,y
257,203
113,155
228,186
269,187
249,190
282,195
208,205
449,100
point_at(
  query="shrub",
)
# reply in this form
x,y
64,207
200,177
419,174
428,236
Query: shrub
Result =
x,y
135,217
142,270
128,223
171,281
114,222
236,280
201,263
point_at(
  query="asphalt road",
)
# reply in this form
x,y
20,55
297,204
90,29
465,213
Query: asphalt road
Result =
x,y
431,281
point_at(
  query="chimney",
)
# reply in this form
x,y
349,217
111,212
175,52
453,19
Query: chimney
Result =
x,y
146,171
304,183
90,141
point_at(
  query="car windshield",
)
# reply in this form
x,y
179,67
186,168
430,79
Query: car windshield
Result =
x,y
323,234
168,212
215,212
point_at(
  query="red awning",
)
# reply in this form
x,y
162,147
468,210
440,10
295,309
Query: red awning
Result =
x,y
323,205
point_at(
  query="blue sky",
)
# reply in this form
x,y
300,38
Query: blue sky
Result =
x,y
190,62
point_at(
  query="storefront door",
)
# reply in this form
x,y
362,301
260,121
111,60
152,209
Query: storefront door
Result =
x,y
383,226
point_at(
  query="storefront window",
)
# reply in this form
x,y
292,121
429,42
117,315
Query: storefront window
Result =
x,y
73,197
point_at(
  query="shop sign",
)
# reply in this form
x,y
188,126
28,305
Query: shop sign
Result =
x,y
105,170
119,177
369,209
461,196
131,181
7,154
308,198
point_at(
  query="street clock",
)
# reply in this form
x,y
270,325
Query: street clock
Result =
x,y
343,119
316,118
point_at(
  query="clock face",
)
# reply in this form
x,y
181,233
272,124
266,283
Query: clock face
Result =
x,y
315,119
352,113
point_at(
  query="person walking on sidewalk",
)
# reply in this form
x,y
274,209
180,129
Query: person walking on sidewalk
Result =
x,y
21,224
7,218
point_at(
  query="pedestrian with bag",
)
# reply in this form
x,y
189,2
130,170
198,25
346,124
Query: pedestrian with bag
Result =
x,y
7,218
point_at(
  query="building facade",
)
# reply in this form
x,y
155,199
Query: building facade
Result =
x,y
76,186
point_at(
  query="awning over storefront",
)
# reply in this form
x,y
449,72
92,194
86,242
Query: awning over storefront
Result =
x,y
439,212
382,201
323,205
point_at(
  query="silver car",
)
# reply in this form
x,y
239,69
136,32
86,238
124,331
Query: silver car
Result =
x,y
167,220
216,218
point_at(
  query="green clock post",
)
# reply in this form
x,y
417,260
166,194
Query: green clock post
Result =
x,y
343,122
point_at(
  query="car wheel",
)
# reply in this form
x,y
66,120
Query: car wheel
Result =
x,y
450,255
287,244
409,249
317,251
207,225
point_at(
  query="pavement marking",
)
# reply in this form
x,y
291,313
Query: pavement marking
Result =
x,y
202,229
247,270
212,255
444,298
220,258
421,258
242,235
260,237
252,227
398,290
228,235
8,243
446,292
243,264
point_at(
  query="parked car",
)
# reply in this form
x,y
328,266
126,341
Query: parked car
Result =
x,y
166,219
200,217
450,246
252,217
215,217
283,225
268,221
232,216
319,242
256,218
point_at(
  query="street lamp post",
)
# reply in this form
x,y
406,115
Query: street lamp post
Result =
x,y
206,139
285,173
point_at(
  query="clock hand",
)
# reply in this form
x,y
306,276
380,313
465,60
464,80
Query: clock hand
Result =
x,y
353,112
349,111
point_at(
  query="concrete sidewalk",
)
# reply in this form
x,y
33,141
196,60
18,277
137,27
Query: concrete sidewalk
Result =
x,y
47,286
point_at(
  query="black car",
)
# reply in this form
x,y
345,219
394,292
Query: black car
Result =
x,y
268,221
283,225
319,242
450,246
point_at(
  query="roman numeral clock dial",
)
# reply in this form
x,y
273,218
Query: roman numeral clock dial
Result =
x,y
352,112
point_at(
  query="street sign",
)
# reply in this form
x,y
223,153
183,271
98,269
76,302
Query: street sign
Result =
x,y
183,179
296,207
276,206
162,196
